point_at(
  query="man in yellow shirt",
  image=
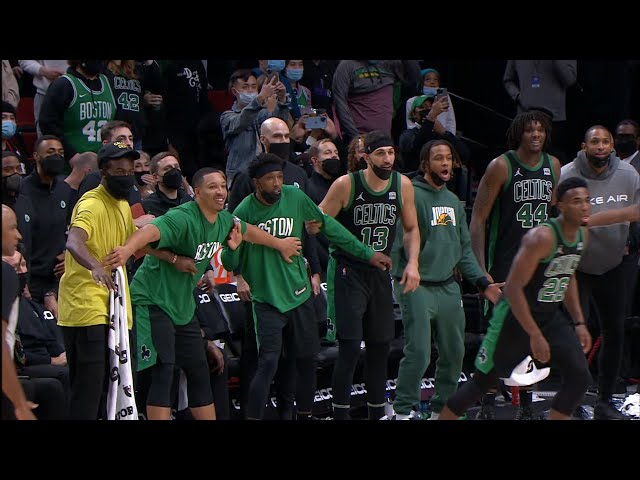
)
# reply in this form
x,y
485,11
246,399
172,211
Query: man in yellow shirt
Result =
x,y
101,220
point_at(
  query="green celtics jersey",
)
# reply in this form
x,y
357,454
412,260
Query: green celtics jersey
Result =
x,y
185,231
284,285
86,114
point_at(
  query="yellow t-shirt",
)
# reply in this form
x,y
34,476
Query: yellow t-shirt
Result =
x,y
108,223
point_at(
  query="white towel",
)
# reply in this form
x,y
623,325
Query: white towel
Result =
x,y
121,400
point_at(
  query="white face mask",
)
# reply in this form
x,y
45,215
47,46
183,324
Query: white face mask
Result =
x,y
432,91
246,98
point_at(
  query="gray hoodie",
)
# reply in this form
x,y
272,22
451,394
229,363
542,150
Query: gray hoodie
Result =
x,y
616,187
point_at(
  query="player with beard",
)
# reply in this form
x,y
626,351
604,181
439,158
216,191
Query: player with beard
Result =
x,y
444,245
360,299
528,319
167,328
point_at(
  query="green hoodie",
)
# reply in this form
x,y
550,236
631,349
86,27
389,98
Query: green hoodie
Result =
x,y
444,238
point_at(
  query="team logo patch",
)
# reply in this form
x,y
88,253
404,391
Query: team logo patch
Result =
x,y
62,204
27,218
392,195
546,171
518,173
443,216
145,353
360,197
482,355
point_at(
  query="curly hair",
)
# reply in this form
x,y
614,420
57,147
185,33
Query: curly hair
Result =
x,y
523,121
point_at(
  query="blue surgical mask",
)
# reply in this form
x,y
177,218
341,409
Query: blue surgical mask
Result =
x,y
276,65
431,91
295,74
8,129
246,98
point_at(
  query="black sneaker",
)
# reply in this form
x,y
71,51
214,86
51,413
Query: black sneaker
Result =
x,y
606,411
581,413
526,413
486,412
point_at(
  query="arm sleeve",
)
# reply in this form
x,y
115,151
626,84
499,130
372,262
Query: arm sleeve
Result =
x,y
310,251
510,80
32,67
51,119
172,225
340,85
335,231
468,263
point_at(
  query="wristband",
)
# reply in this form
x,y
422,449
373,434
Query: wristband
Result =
x,y
577,324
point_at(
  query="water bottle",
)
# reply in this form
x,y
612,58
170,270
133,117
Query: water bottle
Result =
x,y
388,406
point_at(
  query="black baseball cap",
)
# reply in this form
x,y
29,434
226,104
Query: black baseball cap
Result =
x,y
114,151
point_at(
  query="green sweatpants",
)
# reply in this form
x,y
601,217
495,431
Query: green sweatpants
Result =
x,y
441,308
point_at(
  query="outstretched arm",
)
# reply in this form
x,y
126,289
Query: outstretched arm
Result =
x,y
618,215
140,239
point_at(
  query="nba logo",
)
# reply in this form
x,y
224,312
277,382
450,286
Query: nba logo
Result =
x,y
392,195
547,171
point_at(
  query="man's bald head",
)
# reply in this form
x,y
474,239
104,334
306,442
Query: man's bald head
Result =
x,y
10,234
272,124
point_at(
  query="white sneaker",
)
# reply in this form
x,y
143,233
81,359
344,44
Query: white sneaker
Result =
x,y
434,416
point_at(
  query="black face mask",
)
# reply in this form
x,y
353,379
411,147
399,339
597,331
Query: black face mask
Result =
x,y
119,186
139,177
597,162
92,67
362,163
626,145
280,149
172,179
381,173
53,165
22,282
11,185
331,166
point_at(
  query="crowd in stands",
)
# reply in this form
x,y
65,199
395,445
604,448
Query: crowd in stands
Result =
x,y
166,167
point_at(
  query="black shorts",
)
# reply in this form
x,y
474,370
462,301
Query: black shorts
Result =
x,y
506,343
294,332
176,344
362,302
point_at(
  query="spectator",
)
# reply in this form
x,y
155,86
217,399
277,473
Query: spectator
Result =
x,y
144,179
241,124
81,166
10,90
44,72
363,93
543,83
318,76
430,85
14,197
9,129
76,106
355,155
169,192
612,184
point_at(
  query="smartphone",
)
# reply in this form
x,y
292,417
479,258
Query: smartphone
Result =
x,y
316,122
441,92
270,74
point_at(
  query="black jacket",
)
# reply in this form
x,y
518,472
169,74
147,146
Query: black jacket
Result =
x,y
158,203
51,217
36,327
